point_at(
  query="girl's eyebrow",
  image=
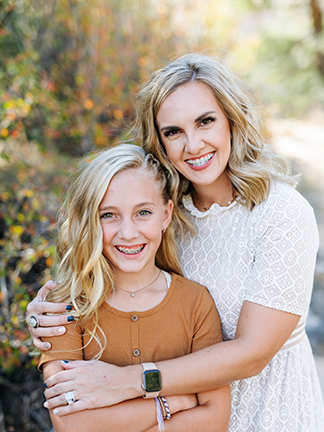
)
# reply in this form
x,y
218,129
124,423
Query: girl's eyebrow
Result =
x,y
141,204
106,208
197,120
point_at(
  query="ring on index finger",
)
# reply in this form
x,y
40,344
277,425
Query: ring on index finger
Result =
x,y
69,397
33,321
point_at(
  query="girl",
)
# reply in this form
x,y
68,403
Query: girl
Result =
x,y
119,270
253,245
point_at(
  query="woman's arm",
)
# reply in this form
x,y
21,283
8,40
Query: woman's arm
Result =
x,y
261,332
134,416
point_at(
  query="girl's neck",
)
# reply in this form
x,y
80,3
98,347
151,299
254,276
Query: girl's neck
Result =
x,y
129,295
135,281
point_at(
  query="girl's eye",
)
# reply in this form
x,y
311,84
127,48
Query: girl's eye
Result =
x,y
171,132
144,213
207,120
107,216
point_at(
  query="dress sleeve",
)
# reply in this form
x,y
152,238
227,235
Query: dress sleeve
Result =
x,y
285,254
207,329
66,347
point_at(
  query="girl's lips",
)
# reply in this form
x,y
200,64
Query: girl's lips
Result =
x,y
130,250
202,162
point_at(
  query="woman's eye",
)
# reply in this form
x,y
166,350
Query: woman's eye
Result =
x,y
207,120
107,216
171,133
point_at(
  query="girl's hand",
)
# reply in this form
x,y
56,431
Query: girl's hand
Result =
x,y
47,325
95,384
181,402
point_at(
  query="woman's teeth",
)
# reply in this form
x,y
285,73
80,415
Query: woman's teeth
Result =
x,y
201,161
130,251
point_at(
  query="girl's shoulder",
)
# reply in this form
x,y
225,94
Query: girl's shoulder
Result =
x,y
188,288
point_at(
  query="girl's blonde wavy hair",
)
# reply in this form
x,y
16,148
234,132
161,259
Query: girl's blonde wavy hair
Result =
x,y
252,165
84,275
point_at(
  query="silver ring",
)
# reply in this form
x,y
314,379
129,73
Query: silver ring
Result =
x,y
69,397
33,321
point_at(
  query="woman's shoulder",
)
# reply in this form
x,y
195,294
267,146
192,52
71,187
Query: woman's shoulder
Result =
x,y
283,196
287,208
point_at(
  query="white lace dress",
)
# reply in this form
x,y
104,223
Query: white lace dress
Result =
x,y
266,256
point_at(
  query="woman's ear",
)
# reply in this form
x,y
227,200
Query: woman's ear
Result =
x,y
167,215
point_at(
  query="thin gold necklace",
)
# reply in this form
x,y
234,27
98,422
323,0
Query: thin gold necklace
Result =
x,y
133,293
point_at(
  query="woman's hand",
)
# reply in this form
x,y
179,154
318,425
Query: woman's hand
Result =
x,y
95,384
47,325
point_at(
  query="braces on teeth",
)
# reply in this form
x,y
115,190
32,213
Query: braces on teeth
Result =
x,y
130,251
201,161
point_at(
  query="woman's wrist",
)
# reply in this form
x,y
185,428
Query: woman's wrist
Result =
x,y
132,381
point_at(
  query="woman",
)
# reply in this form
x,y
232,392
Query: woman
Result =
x,y
248,236
116,232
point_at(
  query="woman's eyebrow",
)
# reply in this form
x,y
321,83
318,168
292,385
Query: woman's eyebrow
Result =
x,y
198,119
168,127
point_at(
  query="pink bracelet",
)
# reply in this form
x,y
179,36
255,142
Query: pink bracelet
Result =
x,y
159,415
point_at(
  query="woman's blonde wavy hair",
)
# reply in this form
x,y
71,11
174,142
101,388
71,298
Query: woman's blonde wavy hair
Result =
x,y
252,165
84,275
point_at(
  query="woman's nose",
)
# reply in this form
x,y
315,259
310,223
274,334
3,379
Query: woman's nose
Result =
x,y
193,143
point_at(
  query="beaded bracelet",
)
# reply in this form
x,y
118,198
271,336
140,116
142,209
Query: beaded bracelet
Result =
x,y
167,415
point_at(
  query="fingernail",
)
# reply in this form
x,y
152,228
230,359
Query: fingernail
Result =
x,y
70,318
65,361
56,411
47,346
68,307
45,404
61,330
45,385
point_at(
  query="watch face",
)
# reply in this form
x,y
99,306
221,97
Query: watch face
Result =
x,y
152,381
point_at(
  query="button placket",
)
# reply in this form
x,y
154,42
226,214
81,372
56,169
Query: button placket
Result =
x,y
135,338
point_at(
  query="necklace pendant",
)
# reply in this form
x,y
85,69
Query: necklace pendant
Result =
x,y
132,294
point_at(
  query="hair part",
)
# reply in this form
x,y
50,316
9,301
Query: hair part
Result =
x,y
252,165
84,276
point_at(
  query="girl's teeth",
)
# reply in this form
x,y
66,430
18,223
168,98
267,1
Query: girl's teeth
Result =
x,y
130,251
200,161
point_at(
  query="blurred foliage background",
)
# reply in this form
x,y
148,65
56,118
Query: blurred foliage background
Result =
x,y
69,71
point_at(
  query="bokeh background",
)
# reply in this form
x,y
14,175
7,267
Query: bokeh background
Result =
x,y
69,72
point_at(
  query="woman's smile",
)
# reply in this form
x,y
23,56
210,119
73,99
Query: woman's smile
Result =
x,y
201,162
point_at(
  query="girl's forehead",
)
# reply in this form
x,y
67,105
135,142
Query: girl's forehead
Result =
x,y
127,179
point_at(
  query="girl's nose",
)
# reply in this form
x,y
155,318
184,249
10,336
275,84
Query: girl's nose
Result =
x,y
127,229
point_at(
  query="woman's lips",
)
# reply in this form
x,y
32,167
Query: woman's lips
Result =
x,y
202,162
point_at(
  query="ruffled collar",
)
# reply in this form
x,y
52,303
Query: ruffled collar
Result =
x,y
214,209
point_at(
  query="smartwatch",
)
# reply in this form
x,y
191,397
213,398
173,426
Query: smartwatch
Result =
x,y
152,383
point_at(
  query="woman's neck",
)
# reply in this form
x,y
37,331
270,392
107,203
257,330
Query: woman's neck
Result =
x,y
221,193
